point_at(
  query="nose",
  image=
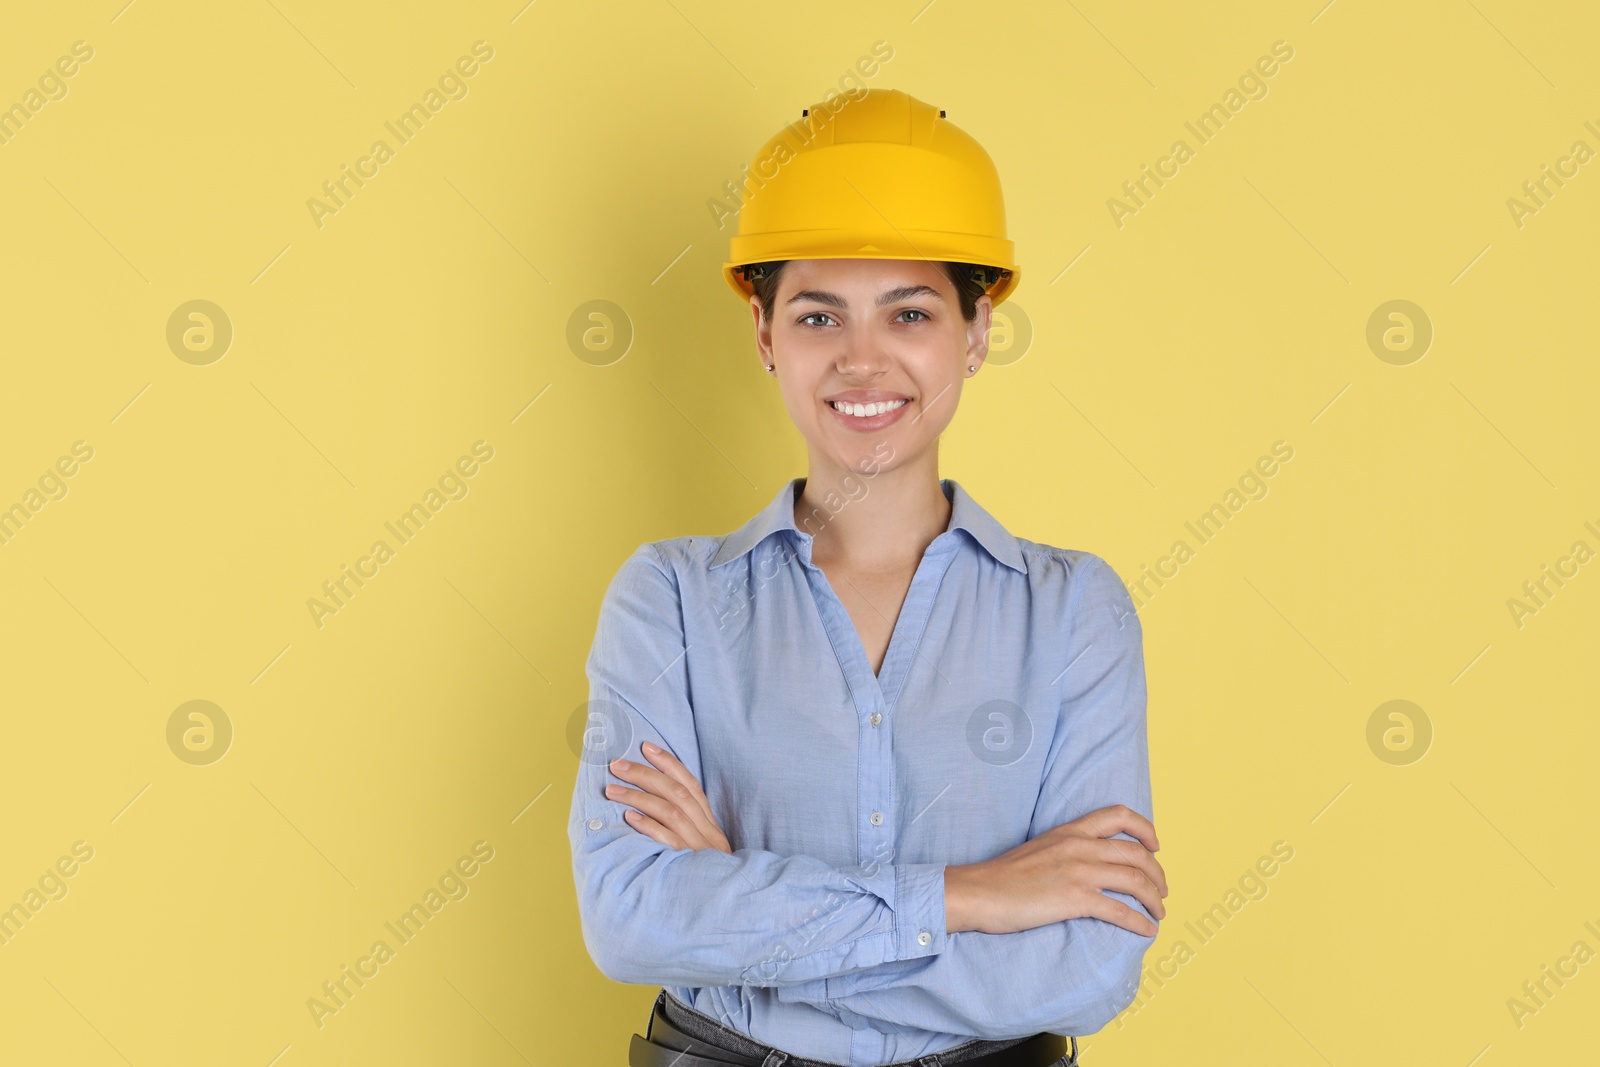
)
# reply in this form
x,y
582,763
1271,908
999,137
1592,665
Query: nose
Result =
x,y
861,355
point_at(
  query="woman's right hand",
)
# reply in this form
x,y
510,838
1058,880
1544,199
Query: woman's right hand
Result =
x,y
1061,875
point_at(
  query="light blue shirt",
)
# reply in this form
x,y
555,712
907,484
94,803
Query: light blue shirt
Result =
x,y
1011,700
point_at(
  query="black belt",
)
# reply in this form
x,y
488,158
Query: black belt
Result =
x,y
666,1046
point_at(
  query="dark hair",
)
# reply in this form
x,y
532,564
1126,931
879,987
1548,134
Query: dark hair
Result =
x,y
968,278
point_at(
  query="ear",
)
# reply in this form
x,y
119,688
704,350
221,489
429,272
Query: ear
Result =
x,y
978,332
763,333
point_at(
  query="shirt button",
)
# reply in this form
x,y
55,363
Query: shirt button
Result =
x,y
876,718
923,938
877,818
595,824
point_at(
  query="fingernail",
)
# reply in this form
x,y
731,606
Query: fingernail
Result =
x,y
619,764
648,747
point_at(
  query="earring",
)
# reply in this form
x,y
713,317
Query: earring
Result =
x,y
971,369
769,368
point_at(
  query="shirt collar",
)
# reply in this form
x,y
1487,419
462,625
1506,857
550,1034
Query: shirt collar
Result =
x,y
965,514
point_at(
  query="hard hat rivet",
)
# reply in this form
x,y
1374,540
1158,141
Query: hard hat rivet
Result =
x,y
941,112
804,112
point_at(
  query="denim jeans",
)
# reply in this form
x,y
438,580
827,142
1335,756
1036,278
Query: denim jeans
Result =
x,y
706,1029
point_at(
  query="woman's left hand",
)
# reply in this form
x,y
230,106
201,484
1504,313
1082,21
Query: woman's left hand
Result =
x,y
672,808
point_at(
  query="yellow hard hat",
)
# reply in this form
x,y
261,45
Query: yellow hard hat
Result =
x,y
880,175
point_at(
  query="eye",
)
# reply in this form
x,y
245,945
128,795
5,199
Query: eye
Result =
x,y
814,314
917,311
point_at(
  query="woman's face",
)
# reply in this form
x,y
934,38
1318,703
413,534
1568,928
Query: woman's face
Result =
x,y
870,331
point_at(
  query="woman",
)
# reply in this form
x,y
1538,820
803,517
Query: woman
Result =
x,y
866,780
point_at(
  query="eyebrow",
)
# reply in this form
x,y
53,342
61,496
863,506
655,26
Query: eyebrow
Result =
x,y
904,292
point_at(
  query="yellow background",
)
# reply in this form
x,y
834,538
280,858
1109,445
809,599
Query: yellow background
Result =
x,y
431,312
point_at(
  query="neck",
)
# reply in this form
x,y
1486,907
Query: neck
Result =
x,y
880,522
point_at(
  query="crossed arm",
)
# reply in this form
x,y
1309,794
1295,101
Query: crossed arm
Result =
x,y
665,900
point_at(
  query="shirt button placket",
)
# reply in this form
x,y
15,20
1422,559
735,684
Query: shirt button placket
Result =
x,y
879,741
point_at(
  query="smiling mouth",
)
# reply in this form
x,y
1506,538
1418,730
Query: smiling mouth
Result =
x,y
867,411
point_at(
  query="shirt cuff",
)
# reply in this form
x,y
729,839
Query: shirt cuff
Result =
x,y
919,910
918,931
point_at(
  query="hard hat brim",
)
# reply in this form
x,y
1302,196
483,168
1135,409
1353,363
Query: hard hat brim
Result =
x,y
996,292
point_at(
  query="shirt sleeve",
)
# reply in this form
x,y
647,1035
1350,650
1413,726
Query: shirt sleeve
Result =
x,y
1070,977
655,915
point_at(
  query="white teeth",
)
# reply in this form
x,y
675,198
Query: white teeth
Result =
x,y
863,411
